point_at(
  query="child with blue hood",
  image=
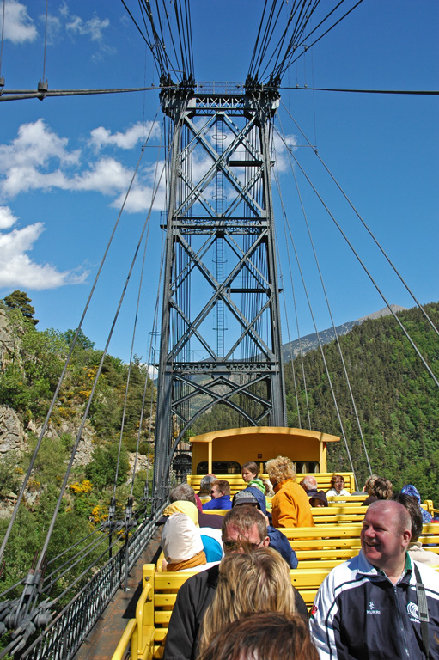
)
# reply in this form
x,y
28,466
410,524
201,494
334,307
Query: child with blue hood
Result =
x,y
409,489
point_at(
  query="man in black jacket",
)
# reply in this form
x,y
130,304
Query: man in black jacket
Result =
x,y
244,529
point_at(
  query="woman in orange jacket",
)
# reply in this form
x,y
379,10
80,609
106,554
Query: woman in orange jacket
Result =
x,y
290,506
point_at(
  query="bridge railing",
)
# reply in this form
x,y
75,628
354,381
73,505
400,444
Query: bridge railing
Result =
x,y
64,635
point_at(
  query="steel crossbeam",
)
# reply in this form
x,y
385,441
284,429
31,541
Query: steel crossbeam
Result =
x,y
220,338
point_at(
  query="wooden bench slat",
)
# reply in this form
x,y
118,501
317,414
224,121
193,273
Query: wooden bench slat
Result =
x,y
165,600
162,617
326,553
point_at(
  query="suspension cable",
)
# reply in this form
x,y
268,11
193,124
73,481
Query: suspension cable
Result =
x,y
363,265
293,368
346,375
1,47
367,228
66,364
322,353
142,410
302,362
45,44
122,426
322,35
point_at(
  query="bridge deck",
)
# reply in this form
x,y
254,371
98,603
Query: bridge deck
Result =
x,y
104,637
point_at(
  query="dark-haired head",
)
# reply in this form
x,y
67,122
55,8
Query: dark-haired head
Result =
x,y
268,635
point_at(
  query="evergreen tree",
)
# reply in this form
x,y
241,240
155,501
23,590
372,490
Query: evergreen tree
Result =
x,y
21,301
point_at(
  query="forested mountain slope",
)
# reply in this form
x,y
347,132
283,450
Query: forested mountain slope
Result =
x,y
31,362
396,398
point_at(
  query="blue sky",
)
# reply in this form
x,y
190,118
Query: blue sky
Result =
x,y
65,163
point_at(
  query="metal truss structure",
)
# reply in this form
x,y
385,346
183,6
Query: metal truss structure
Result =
x,y
221,338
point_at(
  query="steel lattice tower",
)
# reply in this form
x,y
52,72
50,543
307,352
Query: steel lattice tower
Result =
x,y
221,338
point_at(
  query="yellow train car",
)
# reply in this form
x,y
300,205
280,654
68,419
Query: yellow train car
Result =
x,y
224,452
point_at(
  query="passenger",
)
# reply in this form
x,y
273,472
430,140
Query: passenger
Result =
x,y
184,492
181,506
255,493
308,484
414,492
205,487
370,606
337,487
220,494
267,635
290,506
415,550
210,536
182,544
250,472
380,489
247,583
278,541
316,497
243,529
367,484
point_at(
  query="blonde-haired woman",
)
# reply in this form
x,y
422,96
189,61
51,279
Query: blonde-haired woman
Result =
x,y
290,506
255,582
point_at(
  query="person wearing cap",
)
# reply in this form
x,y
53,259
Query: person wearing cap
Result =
x,y
278,540
260,497
416,549
244,530
210,536
411,490
318,498
182,545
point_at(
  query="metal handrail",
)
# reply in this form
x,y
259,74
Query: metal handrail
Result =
x,y
127,636
141,643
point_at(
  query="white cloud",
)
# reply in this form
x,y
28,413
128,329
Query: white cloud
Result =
x,y
16,267
106,176
92,28
39,159
6,217
139,200
33,160
35,144
53,28
281,153
101,137
18,26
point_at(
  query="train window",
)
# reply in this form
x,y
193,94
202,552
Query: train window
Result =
x,y
219,467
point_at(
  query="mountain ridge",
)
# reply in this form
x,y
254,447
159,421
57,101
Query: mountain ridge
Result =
x,y
310,342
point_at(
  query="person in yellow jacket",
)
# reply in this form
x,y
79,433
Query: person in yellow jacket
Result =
x,y
290,506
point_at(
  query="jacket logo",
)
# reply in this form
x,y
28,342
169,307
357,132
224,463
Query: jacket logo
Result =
x,y
372,609
412,610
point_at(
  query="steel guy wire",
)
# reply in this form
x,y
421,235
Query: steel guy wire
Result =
x,y
366,227
328,306
363,265
67,362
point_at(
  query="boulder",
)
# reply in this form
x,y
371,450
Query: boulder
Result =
x,y
8,344
12,436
